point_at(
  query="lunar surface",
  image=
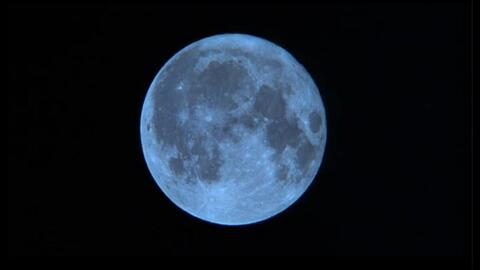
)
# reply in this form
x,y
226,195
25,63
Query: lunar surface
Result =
x,y
233,129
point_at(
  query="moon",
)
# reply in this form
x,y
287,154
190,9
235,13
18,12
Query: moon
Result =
x,y
233,129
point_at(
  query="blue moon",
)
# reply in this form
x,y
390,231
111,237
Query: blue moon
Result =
x,y
233,129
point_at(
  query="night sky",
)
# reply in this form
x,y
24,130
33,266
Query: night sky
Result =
x,y
394,79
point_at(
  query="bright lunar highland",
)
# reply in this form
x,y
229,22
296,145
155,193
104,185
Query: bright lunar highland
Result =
x,y
233,129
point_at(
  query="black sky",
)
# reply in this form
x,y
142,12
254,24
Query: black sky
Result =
x,y
393,77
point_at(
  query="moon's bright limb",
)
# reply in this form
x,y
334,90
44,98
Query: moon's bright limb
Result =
x,y
233,129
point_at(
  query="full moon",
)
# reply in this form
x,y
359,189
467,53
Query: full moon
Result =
x,y
233,129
